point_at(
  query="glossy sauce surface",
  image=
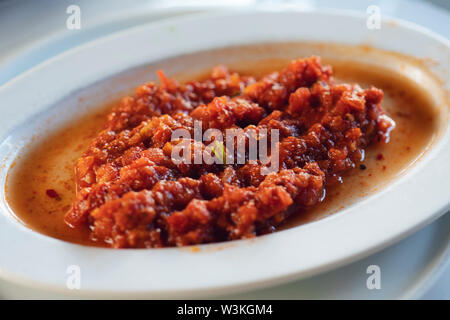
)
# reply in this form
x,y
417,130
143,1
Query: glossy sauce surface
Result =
x,y
40,186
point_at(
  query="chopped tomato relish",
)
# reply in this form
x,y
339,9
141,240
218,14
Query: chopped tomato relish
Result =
x,y
131,194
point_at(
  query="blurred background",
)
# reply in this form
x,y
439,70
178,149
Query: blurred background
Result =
x,y
34,31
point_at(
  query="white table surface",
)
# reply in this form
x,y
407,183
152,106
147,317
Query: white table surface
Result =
x,y
33,31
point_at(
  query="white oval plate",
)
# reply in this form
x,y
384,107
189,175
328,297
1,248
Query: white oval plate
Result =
x,y
415,199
